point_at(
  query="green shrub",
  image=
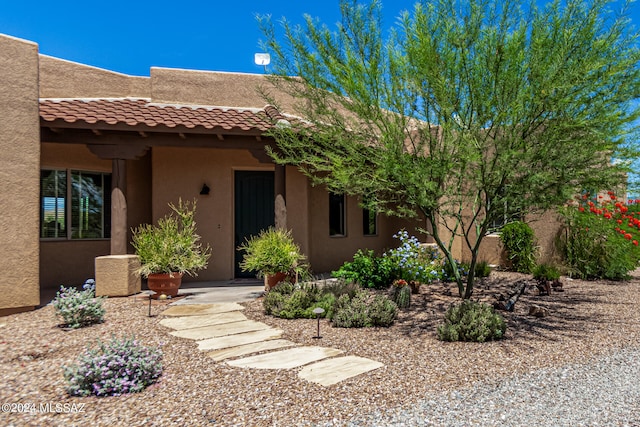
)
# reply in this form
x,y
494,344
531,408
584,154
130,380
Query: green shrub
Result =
x,y
401,294
273,251
79,308
382,311
364,310
340,287
472,321
274,301
518,240
113,368
482,269
295,301
351,312
172,246
593,249
546,272
367,269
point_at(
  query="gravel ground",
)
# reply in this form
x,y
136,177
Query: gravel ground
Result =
x,y
603,392
578,366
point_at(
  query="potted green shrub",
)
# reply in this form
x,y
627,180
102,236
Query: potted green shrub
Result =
x,y
274,255
170,249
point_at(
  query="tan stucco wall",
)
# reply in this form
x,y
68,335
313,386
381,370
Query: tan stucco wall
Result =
x,y
71,156
19,174
328,253
213,88
69,262
546,228
298,189
66,79
138,194
180,173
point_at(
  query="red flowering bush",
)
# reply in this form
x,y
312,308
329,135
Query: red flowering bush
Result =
x,y
601,237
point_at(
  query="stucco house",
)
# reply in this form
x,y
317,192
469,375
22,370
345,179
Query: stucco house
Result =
x,y
87,154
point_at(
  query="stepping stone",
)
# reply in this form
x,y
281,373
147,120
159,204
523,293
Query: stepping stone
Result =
x,y
213,331
243,350
200,309
332,371
239,339
190,322
286,359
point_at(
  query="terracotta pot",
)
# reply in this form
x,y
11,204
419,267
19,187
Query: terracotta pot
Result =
x,y
271,280
163,283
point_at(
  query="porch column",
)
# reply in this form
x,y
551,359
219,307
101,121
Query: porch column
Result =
x,y
118,207
280,192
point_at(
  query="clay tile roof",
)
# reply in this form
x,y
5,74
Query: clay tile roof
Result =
x,y
141,112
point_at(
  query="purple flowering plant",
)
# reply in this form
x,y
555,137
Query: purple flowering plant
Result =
x,y
113,368
79,308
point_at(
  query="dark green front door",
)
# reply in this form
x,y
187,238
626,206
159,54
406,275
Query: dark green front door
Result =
x,y
254,209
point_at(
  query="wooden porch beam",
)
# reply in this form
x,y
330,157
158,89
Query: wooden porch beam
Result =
x,y
85,136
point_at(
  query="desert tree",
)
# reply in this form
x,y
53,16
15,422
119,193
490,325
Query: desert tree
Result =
x,y
464,111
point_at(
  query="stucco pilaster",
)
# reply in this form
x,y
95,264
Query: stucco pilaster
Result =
x,y
19,174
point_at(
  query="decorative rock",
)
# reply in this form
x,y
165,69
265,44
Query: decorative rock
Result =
x,y
332,371
191,322
201,309
239,339
537,311
286,359
244,350
220,330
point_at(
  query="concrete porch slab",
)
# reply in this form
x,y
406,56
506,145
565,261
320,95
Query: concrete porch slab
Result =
x,y
332,371
201,309
216,292
239,339
243,350
221,330
286,359
190,322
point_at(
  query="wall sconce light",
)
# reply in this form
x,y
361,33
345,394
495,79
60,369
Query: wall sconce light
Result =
x,y
205,190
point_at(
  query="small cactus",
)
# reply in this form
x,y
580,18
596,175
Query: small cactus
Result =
x,y
401,295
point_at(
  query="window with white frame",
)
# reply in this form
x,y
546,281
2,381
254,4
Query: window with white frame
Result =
x,y
75,204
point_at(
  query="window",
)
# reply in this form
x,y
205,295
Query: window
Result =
x,y
369,222
53,188
500,221
504,216
75,204
336,215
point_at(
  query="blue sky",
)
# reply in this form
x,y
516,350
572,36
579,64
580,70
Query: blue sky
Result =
x,y
132,36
